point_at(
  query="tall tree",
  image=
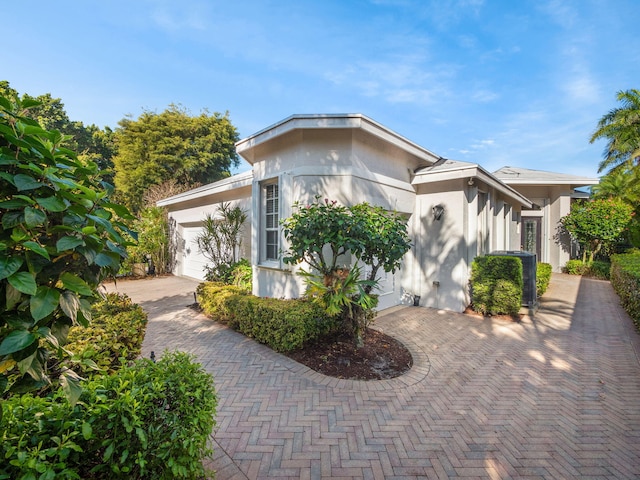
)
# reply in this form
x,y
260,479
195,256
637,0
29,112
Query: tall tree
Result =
x,y
92,143
621,128
172,144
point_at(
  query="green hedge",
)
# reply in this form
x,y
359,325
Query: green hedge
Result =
x,y
543,277
149,420
283,325
597,269
496,285
112,339
625,279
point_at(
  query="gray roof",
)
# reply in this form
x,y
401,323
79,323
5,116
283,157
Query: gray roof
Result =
x,y
526,176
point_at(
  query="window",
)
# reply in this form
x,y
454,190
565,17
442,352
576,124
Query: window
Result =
x,y
271,222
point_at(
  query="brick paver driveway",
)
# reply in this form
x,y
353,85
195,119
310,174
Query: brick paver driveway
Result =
x,y
553,397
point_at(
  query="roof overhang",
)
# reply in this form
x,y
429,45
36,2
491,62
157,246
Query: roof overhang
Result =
x,y
452,170
246,146
231,183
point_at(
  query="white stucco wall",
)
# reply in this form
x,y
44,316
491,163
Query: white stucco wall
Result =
x,y
186,221
337,165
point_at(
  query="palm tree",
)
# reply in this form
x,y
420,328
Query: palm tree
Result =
x,y
619,183
621,126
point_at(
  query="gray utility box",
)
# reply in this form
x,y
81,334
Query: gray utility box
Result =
x,y
529,262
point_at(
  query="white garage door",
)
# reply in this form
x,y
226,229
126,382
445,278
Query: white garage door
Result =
x,y
193,262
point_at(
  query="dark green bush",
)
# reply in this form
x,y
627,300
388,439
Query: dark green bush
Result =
x,y
625,279
283,325
575,267
543,277
150,420
112,339
597,269
496,285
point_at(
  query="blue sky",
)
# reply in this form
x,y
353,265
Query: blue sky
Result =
x,y
497,82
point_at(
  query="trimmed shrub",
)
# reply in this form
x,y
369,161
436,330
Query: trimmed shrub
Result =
x,y
543,277
597,269
575,267
112,339
283,325
150,420
496,285
625,279
212,298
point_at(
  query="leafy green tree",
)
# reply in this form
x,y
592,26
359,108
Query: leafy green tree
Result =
x,y
621,127
172,144
597,225
91,142
625,185
60,236
324,234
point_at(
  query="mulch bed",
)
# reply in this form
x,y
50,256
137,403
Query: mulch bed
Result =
x,y
381,357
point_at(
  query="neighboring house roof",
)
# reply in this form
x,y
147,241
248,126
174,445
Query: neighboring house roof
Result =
x,y
446,169
240,180
526,176
331,121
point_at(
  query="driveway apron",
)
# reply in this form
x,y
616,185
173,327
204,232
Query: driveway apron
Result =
x,y
553,396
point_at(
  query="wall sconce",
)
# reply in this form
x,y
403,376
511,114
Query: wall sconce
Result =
x,y
438,211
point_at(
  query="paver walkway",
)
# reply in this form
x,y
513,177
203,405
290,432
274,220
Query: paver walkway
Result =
x,y
557,396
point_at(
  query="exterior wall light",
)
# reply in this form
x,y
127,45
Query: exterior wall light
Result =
x,y
438,211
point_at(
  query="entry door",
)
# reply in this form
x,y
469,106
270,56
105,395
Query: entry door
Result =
x,y
531,238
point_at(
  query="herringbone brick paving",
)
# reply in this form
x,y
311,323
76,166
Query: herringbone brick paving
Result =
x,y
554,396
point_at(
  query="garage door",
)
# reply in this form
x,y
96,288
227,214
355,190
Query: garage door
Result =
x,y
193,262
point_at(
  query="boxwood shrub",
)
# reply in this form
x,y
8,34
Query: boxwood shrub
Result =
x,y
625,279
283,325
148,420
543,277
112,339
496,285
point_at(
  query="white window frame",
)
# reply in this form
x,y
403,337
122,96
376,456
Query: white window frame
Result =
x,y
270,223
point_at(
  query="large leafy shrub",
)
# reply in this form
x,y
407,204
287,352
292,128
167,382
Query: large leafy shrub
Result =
x,y
60,236
597,225
283,325
328,237
150,420
496,285
625,280
113,339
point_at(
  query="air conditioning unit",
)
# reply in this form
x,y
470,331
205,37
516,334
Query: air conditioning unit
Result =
x,y
529,263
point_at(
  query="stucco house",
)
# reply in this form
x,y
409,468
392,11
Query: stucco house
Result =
x,y
454,210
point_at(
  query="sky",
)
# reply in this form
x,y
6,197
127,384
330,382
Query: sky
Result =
x,y
521,83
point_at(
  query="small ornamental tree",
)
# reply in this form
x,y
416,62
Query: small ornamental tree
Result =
x,y
60,236
597,225
324,234
221,239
